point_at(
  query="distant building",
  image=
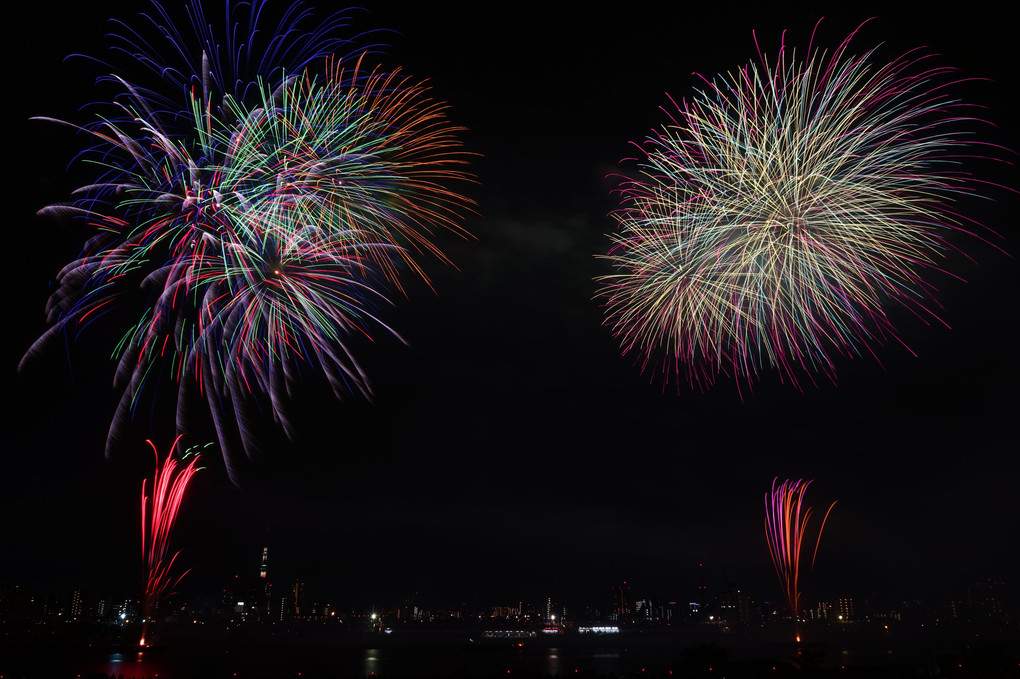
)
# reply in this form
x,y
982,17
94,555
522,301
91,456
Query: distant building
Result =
x,y
987,599
647,610
506,611
739,609
823,611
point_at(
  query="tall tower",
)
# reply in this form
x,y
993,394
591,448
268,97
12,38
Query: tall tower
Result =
x,y
702,587
299,598
266,594
621,599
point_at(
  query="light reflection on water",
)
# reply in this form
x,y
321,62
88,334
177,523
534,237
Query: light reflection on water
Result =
x,y
371,662
440,654
138,664
374,662
412,655
551,661
552,665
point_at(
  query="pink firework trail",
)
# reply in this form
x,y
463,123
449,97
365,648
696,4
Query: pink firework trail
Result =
x,y
786,524
160,504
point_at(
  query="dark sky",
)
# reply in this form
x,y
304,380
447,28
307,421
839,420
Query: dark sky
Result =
x,y
511,452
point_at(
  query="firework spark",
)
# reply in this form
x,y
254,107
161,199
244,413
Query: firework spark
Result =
x,y
160,505
784,212
786,524
265,222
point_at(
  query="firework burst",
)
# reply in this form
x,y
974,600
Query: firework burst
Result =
x,y
265,222
784,212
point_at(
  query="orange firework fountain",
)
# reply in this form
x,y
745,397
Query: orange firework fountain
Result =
x,y
786,524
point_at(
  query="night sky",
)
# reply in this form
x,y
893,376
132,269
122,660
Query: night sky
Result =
x,y
510,451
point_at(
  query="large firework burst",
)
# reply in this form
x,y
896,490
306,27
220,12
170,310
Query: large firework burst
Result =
x,y
784,212
265,221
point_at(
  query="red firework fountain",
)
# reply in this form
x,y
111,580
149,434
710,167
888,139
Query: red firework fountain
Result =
x,y
159,514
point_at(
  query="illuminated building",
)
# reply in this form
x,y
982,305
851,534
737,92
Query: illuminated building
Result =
x,y
507,611
845,609
76,604
646,609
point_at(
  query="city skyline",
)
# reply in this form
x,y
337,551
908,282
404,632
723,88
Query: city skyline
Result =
x,y
249,601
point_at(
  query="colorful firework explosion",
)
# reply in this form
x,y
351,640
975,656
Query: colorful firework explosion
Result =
x,y
265,224
784,212
159,515
786,524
